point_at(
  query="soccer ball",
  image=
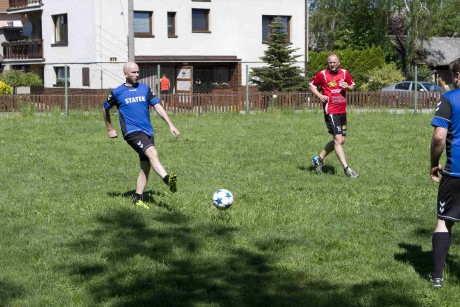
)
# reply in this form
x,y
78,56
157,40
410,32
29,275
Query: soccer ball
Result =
x,y
222,199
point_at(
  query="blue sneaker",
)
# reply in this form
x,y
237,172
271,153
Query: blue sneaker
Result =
x,y
318,162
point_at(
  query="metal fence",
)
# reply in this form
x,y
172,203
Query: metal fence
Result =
x,y
235,101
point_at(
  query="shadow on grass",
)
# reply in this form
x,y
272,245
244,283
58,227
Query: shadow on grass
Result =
x,y
149,197
131,259
422,261
9,291
327,169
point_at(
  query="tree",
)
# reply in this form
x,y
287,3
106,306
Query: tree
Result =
x,y
349,24
281,73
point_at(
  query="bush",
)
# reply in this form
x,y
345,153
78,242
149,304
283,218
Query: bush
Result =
x,y
380,77
16,78
5,88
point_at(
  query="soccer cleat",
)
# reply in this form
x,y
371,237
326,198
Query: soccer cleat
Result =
x,y
318,162
436,282
172,183
350,173
140,203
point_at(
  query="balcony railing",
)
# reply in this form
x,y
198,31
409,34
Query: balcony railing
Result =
x,y
15,4
23,49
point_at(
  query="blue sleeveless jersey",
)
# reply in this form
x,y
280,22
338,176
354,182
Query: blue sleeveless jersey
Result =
x,y
448,116
133,107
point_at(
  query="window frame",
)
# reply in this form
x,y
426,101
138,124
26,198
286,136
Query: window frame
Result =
x,y
206,21
60,29
61,79
271,18
171,16
149,33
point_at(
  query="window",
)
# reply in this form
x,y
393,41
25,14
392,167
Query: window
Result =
x,y
60,29
403,86
172,24
143,24
200,20
85,76
61,75
267,30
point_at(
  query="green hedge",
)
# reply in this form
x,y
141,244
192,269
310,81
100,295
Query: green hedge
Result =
x,y
358,62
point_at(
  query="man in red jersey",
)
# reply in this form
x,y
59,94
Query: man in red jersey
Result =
x,y
333,82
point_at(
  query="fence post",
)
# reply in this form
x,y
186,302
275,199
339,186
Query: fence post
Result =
x,y
158,81
416,90
247,90
66,94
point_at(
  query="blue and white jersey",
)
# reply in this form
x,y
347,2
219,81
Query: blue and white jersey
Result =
x,y
448,116
133,107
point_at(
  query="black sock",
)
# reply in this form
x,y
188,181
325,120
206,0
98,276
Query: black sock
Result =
x,y
440,245
166,179
136,197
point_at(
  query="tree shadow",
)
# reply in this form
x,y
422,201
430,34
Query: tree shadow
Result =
x,y
149,197
130,259
9,291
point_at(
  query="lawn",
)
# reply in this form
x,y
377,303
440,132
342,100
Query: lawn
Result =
x,y
70,236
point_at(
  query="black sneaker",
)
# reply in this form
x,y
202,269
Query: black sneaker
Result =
x,y
318,162
436,282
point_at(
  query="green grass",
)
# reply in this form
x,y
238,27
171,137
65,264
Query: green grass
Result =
x,y
69,235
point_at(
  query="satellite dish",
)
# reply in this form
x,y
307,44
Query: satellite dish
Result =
x,y
27,28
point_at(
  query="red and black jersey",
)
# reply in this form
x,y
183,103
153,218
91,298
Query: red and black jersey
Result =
x,y
330,85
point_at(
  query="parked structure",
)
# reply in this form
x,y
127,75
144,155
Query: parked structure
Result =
x,y
202,45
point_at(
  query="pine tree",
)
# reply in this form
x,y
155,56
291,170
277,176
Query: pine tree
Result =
x,y
281,73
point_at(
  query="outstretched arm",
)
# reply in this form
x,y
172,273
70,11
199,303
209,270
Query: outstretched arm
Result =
x,y
162,112
108,123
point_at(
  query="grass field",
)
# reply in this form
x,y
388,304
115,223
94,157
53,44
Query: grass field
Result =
x,y
69,235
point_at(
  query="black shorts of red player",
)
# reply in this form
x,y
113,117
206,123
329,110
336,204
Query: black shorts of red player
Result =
x,y
336,123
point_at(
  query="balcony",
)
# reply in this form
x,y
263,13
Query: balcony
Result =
x,y
23,50
19,4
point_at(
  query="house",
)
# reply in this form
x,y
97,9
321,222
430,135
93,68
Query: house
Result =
x,y
201,45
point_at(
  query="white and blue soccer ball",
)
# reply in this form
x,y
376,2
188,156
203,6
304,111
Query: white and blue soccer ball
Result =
x,y
222,199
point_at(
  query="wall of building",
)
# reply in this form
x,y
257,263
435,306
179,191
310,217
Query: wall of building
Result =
x,y
98,34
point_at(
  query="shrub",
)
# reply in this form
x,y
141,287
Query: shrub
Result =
x,y
380,77
5,88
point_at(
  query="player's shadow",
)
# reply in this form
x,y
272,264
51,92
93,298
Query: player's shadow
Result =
x,y
149,197
327,169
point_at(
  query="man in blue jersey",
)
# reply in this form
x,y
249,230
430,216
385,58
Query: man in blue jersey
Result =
x,y
133,100
446,123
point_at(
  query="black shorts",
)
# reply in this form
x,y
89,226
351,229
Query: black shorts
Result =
x,y
448,207
336,123
140,141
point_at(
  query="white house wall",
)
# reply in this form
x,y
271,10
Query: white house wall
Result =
x,y
98,34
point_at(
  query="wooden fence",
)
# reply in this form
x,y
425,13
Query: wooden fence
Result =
x,y
225,102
